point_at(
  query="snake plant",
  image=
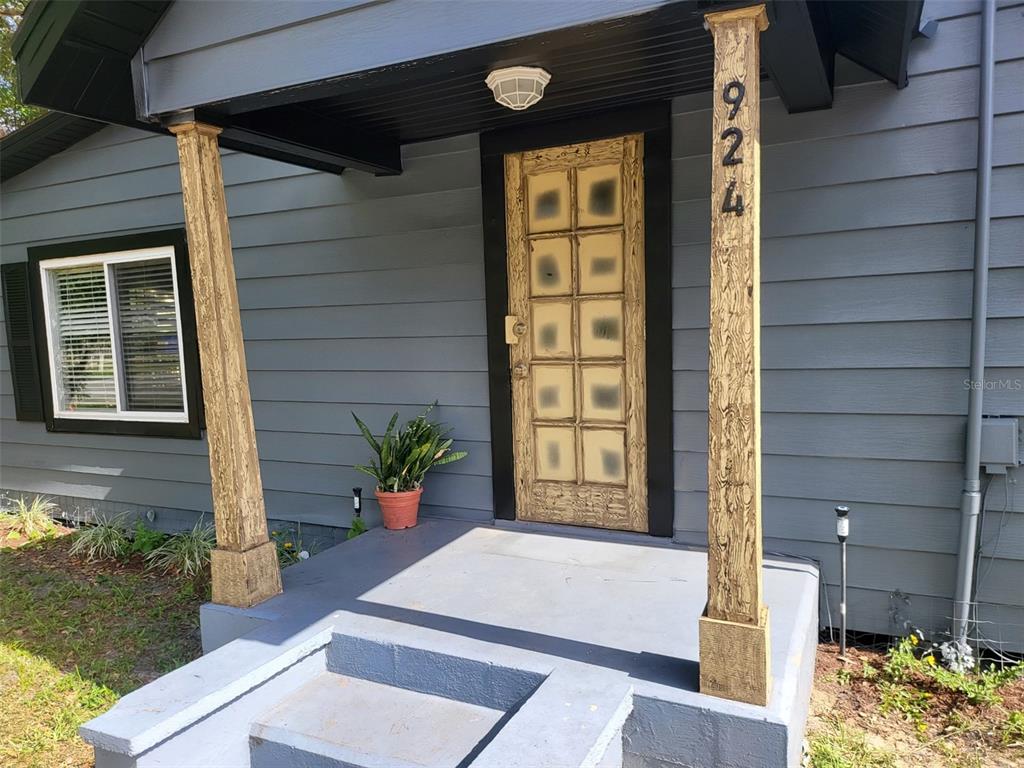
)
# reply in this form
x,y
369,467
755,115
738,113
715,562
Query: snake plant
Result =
x,y
405,455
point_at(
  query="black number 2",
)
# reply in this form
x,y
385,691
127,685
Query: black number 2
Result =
x,y
737,138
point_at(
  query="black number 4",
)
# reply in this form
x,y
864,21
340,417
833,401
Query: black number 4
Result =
x,y
728,204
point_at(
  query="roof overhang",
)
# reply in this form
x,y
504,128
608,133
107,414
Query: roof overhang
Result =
x,y
40,139
104,61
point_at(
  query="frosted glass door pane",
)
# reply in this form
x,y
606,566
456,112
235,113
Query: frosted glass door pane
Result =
x,y
601,263
553,392
601,328
552,329
556,453
604,456
548,201
599,196
603,393
551,267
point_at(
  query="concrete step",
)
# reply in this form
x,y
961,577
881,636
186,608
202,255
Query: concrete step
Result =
x,y
338,721
573,720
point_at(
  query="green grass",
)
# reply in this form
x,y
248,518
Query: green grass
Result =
x,y
76,636
1012,731
43,709
839,746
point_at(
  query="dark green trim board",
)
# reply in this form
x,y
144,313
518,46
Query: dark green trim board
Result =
x,y
799,55
876,35
189,341
653,121
21,342
75,57
42,138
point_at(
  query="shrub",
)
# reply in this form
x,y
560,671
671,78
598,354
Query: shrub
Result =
x,y
289,546
1013,729
104,540
145,539
187,553
358,528
907,662
30,520
909,703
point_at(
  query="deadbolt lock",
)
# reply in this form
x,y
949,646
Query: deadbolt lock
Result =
x,y
514,328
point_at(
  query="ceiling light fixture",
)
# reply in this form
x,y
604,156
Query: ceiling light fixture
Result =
x,y
518,88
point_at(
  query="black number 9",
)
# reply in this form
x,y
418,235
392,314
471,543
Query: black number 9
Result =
x,y
733,94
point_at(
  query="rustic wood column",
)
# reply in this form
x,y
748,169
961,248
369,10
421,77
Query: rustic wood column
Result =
x,y
734,651
244,564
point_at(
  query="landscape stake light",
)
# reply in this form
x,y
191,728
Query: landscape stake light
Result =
x,y
357,502
842,532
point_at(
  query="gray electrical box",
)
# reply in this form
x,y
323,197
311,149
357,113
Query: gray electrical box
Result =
x,y
1000,444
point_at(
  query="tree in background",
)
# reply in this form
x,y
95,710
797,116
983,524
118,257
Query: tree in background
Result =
x,y
13,114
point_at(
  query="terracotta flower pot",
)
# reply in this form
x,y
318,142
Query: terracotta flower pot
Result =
x,y
399,510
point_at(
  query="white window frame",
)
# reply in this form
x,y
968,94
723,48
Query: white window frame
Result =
x,y
108,260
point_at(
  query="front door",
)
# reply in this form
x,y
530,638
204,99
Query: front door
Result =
x,y
574,222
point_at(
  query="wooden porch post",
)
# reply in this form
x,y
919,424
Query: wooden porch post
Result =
x,y
734,651
244,564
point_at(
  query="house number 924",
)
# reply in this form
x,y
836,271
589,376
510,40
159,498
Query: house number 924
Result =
x,y
732,95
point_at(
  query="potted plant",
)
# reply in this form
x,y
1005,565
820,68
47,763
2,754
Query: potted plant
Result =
x,y
403,459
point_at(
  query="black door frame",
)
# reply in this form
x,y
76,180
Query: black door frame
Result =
x,y
654,122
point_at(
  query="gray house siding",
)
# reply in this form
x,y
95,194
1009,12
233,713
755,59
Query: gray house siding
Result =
x,y
866,288
357,293
363,293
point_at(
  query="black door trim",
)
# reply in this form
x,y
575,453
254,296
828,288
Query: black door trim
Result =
x,y
653,120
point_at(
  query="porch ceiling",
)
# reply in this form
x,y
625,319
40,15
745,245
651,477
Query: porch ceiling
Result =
x,y
612,63
79,58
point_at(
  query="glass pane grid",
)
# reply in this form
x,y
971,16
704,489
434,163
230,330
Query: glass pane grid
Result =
x,y
594,431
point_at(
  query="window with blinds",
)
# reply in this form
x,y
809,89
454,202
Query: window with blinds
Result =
x,y
115,336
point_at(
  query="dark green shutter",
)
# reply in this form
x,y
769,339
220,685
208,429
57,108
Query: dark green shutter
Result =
x,y
21,342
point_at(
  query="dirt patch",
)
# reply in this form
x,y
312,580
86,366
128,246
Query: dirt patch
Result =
x,y
944,729
12,539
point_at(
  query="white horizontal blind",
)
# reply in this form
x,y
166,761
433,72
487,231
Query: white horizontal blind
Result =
x,y
147,326
83,357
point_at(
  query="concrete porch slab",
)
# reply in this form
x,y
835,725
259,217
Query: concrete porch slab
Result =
x,y
628,605
588,643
